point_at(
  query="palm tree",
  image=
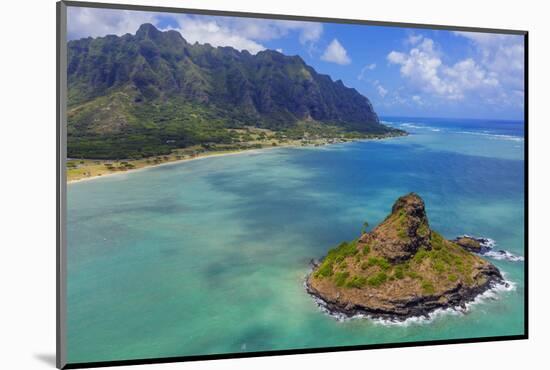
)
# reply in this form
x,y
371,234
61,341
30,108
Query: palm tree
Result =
x,y
365,226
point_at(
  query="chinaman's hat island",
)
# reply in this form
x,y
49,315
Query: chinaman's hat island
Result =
x,y
400,269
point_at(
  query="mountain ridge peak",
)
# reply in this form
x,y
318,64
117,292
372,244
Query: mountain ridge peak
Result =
x,y
231,88
147,29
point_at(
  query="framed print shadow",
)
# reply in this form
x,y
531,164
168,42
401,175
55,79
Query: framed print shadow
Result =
x,y
236,184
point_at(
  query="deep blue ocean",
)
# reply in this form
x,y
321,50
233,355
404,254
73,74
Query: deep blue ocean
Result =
x,y
209,256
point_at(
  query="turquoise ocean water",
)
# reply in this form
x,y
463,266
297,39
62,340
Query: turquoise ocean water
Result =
x,y
209,256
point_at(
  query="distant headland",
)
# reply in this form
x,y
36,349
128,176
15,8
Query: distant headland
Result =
x,y
150,98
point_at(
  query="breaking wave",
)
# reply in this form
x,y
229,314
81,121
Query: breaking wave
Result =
x,y
491,294
487,134
493,136
488,250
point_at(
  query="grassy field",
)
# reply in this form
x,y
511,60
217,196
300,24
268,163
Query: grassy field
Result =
x,y
248,139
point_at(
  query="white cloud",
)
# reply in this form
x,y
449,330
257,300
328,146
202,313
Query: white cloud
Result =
x,y
310,32
423,67
240,33
86,22
365,69
208,31
396,57
417,99
396,98
381,90
266,29
414,39
502,55
335,53
467,74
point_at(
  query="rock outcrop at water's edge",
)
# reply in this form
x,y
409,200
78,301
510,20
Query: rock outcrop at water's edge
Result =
x,y
400,269
486,247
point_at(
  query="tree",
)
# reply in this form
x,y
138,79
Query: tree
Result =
x,y
365,226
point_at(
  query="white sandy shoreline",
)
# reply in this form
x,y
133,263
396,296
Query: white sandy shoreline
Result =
x,y
254,150
179,161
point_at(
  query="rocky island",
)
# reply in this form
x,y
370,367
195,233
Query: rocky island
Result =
x,y
400,269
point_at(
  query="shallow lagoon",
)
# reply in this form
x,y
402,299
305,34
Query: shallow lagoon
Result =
x,y
209,256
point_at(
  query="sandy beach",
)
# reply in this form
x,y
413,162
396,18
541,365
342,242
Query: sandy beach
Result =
x,y
145,166
100,168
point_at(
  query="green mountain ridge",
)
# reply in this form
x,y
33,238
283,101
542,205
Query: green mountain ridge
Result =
x,y
139,95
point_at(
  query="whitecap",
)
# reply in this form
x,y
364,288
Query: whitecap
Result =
x,y
488,249
410,125
504,255
493,136
490,294
419,126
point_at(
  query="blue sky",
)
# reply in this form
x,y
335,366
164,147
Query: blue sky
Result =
x,y
403,71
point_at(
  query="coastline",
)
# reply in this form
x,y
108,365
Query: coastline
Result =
x,y
492,292
336,310
213,154
177,161
400,269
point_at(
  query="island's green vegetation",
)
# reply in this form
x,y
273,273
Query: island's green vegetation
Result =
x,y
400,259
442,261
335,256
